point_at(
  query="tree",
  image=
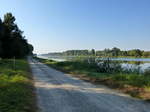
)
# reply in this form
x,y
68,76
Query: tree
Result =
x,y
13,42
30,49
115,51
107,52
0,37
146,54
93,52
75,52
9,27
135,52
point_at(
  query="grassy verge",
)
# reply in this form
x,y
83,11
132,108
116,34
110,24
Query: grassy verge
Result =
x,y
16,89
137,85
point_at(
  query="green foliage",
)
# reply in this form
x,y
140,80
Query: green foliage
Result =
x,y
135,52
93,52
16,92
114,52
147,72
146,54
132,79
12,41
106,70
108,66
75,52
1,36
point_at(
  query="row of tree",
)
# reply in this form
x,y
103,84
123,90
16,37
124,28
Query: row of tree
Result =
x,y
76,52
12,41
114,52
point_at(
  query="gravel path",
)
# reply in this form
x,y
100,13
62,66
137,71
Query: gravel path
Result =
x,y
59,92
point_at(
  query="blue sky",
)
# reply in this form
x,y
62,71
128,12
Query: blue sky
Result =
x,y
58,25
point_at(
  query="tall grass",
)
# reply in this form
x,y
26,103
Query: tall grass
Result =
x,y
16,91
104,69
107,72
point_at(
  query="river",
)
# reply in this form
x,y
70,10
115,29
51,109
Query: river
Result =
x,y
143,63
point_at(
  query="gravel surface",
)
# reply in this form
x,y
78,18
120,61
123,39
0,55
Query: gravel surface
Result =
x,y
60,92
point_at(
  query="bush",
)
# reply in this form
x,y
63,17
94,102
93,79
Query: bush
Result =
x,y
108,66
147,71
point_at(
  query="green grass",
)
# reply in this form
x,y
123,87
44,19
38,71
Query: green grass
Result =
x,y
81,67
133,83
16,90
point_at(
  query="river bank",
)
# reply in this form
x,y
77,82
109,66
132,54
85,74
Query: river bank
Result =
x,y
16,86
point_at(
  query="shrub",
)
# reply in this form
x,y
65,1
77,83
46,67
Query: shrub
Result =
x,y
147,71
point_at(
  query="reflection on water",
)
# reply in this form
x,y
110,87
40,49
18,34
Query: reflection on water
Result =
x,y
142,66
53,58
142,63
133,59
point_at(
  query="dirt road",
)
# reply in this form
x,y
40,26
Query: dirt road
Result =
x,y
59,92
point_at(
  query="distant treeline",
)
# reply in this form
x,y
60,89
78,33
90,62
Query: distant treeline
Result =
x,y
12,41
114,52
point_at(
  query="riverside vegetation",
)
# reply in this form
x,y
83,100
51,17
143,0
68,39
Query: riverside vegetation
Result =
x,y
16,89
114,52
107,72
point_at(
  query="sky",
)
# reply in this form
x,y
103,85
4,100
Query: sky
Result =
x,y
59,25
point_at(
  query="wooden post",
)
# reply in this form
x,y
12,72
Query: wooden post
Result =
x,y
14,63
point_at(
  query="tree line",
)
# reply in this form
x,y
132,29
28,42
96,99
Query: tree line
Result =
x,y
114,52
12,40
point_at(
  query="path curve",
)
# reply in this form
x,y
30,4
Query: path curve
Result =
x,y
60,92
